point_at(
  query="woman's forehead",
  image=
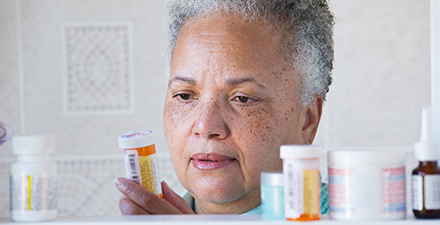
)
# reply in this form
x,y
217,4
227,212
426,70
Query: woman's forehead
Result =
x,y
227,45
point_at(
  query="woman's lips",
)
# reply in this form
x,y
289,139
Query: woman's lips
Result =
x,y
211,161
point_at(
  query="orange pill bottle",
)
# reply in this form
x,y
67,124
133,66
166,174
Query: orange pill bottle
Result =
x,y
141,163
301,182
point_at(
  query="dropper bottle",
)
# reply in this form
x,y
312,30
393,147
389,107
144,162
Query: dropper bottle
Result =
x,y
426,177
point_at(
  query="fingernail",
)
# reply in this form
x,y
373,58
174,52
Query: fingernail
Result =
x,y
120,181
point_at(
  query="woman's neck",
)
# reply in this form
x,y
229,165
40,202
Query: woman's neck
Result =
x,y
240,206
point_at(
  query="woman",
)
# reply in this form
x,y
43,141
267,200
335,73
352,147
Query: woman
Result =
x,y
245,77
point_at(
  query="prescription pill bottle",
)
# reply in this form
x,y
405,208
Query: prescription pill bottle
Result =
x,y
33,179
301,182
272,195
367,183
141,163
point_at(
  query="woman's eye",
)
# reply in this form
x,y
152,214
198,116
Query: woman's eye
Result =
x,y
244,99
183,96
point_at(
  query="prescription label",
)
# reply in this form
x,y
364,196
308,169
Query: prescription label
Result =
x,y
132,167
143,170
339,185
394,197
33,193
311,192
417,192
432,192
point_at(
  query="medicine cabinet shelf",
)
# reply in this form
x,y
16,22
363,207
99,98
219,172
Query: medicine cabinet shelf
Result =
x,y
212,219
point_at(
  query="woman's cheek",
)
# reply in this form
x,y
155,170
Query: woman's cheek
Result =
x,y
177,119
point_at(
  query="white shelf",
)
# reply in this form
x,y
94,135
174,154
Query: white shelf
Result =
x,y
211,219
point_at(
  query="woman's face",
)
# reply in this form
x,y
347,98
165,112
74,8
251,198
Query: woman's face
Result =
x,y
231,102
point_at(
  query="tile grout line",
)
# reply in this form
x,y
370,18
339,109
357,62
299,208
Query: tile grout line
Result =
x,y
20,69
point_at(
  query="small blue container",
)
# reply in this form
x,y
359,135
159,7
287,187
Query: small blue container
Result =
x,y
272,195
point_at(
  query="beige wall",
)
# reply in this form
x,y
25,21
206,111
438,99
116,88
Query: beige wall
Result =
x,y
380,81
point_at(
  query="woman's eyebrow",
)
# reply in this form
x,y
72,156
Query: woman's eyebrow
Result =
x,y
237,81
188,80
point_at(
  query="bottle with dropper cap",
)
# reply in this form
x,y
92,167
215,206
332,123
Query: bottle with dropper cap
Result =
x,y
426,177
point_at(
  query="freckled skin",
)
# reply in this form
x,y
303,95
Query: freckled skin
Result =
x,y
207,115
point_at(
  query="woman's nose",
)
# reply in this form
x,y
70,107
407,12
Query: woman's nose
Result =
x,y
210,122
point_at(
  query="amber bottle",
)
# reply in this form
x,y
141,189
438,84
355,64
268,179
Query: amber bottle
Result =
x,y
426,177
427,173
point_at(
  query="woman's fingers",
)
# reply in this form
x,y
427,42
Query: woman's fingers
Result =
x,y
175,199
144,198
128,207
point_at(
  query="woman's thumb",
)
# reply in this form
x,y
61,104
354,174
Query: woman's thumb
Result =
x,y
175,199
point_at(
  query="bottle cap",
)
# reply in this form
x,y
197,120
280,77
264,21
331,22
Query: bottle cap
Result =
x,y
367,156
426,149
300,151
137,139
33,144
274,179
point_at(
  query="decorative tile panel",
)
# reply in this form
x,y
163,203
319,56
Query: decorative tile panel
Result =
x,y
98,68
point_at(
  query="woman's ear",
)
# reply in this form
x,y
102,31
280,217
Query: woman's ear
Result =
x,y
312,113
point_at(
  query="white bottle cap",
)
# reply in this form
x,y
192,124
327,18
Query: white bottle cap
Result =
x,y
426,149
300,151
137,139
366,156
33,144
274,179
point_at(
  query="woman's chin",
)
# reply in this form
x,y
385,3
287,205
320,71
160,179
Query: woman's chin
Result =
x,y
216,190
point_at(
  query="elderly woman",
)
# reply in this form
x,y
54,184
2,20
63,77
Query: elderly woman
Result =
x,y
245,77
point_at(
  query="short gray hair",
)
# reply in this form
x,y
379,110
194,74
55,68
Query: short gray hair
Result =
x,y
305,25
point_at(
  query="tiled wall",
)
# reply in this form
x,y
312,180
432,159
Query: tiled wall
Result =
x,y
64,45
381,76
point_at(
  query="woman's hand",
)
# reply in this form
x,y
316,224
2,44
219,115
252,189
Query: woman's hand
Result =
x,y
137,200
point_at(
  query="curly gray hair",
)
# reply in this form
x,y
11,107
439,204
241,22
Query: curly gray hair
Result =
x,y
305,25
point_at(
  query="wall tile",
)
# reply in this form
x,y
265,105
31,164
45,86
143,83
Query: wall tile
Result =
x,y
382,72
43,66
9,81
98,75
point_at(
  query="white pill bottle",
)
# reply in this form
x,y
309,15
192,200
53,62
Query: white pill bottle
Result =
x,y
367,183
33,179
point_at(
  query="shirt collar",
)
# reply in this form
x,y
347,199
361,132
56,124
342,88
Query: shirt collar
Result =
x,y
189,199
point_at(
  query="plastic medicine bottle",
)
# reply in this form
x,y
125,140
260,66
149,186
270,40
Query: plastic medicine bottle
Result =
x,y
33,179
141,163
426,177
301,182
272,195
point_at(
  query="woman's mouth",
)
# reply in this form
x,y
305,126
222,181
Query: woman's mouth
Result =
x,y
212,161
